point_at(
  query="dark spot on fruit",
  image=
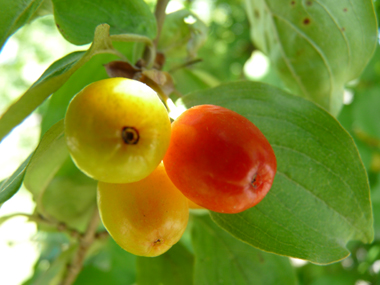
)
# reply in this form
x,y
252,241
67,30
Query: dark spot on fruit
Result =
x,y
306,21
157,242
309,3
345,10
257,14
253,181
130,135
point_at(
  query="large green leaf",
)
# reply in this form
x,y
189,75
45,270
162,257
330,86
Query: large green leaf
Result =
x,y
77,19
316,46
320,196
14,14
172,268
49,156
222,259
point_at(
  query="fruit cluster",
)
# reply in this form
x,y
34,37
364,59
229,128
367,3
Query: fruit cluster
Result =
x,y
118,132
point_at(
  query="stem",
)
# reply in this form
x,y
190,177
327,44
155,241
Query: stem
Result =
x,y
150,48
85,242
160,14
186,64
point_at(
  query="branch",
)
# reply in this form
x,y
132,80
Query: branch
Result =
x,y
160,14
84,244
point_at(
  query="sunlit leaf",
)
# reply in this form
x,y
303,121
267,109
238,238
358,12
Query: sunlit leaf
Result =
x,y
14,14
316,46
77,19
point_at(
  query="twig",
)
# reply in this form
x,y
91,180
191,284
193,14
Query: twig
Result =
x,y
85,242
186,64
160,14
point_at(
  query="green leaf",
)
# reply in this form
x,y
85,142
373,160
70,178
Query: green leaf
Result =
x,y
52,79
12,184
14,14
77,19
189,80
320,196
183,33
70,197
222,259
49,156
49,82
316,46
173,267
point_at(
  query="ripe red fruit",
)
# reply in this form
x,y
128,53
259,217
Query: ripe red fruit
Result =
x,y
219,159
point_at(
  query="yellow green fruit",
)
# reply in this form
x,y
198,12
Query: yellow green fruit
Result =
x,y
117,130
146,217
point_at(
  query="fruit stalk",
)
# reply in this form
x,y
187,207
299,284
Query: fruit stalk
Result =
x,y
85,242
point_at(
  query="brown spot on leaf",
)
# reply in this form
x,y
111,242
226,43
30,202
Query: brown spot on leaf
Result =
x,y
257,14
343,29
293,3
345,10
306,21
309,3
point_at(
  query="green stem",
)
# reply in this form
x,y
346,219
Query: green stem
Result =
x,y
160,14
141,39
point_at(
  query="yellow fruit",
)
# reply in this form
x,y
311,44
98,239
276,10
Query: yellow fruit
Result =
x,y
117,130
146,217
